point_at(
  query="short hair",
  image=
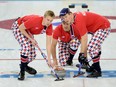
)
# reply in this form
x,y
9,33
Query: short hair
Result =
x,y
49,13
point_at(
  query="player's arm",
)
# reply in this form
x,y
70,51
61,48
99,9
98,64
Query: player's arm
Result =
x,y
53,51
83,48
81,27
22,28
48,47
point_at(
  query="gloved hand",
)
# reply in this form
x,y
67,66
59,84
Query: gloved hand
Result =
x,y
83,60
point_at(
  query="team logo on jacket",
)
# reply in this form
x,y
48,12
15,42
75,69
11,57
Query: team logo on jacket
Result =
x,y
63,36
36,27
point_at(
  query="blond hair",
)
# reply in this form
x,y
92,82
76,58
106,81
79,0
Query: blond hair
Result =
x,y
49,13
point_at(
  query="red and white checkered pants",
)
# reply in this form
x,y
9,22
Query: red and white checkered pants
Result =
x,y
27,49
94,46
64,50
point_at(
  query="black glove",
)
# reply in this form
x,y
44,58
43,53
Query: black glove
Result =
x,y
83,60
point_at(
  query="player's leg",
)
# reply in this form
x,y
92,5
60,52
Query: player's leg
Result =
x,y
24,59
25,49
94,49
27,54
32,55
73,47
63,52
23,65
